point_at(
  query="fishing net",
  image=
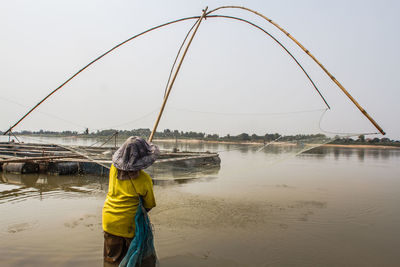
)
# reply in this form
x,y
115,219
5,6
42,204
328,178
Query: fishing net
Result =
x,y
141,251
237,90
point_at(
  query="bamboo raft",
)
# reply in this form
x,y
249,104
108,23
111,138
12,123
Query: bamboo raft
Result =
x,y
23,158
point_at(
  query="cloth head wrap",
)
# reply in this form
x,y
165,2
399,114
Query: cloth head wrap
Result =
x,y
135,154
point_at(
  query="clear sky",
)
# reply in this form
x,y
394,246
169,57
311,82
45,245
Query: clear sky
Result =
x,y
235,79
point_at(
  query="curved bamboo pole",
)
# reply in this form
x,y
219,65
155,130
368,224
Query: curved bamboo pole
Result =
x,y
147,31
281,45
93,61
205,16
313,57
176,74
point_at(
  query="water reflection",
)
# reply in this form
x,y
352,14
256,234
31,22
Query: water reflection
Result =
x,y
179,173
385,154
229,214
41,185
185,146
165,174
40,180
361,153
162,174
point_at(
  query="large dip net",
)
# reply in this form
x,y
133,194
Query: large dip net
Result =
x,y
243,82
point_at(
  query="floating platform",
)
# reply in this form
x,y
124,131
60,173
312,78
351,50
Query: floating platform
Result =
x,y
21,158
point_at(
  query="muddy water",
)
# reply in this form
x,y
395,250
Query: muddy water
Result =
x,y
331,207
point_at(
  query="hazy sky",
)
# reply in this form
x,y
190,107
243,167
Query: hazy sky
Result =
x,y
234,78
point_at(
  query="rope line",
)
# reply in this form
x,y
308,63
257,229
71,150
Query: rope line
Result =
x,y
346,135
249,114
105,142
11,132
269,143
177,56
44,113
129,122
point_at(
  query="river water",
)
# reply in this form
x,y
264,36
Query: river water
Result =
x,y
328,207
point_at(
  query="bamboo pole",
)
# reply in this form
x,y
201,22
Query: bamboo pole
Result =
x,y
315,60
92,62
187,158
47,158
175,75
80,153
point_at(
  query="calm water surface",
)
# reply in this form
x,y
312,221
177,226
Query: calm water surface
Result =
x,y
331,207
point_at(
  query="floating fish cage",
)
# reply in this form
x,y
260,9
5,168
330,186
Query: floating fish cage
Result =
x,y
23,158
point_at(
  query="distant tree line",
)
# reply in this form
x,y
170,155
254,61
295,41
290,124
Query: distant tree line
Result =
x,y
243,137
362,140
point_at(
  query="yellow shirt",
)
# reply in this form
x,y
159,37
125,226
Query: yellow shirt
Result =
x,y
123,200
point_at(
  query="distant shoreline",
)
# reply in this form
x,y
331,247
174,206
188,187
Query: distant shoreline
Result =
x,y
362,146
196,141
